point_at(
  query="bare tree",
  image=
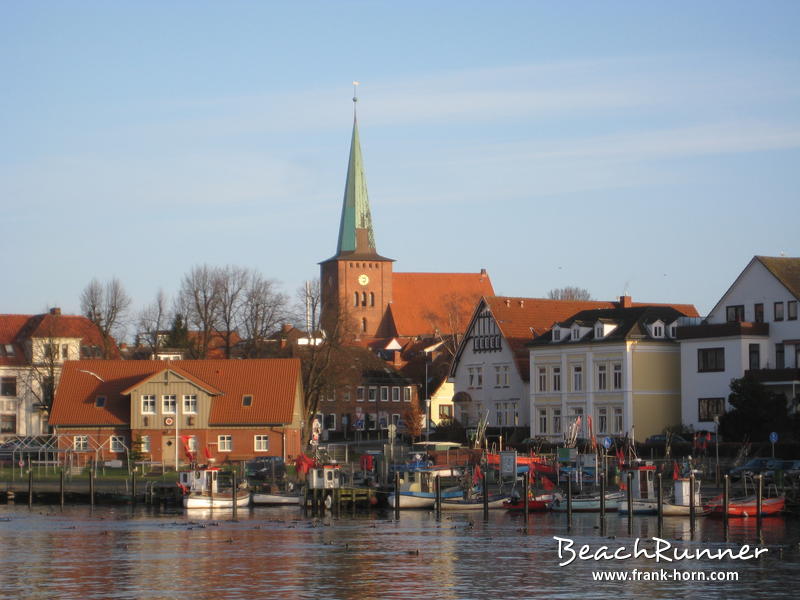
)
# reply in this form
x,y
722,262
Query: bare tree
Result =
x,y
450,321
569,293
263,310
106,306
152,320
198,300
231,283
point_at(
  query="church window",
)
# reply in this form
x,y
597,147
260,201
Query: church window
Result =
x,y
363,325
355,298
372,298
363,298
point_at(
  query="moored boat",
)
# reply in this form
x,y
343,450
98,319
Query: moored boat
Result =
x,y
747,507
588,502
474,503
536,503
276,498
201,489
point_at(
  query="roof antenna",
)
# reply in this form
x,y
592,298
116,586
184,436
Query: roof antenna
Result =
x,y
355,96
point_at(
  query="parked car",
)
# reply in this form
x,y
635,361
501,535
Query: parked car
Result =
x,y
775,465
661,440
754,466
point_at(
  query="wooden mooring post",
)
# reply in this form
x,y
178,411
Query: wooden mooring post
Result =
x,y
235,495
91,488
61,489
569,502
629,493
30,487
133,486
726,499
438,489
485,497
759,502
525,485
397,495
692,507
660,502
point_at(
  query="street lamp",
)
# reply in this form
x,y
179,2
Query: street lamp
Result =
x,y
427,419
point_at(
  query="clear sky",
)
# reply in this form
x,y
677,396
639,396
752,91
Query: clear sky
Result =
x,y
618,146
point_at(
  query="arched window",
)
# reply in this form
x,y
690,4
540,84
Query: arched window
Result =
x,y
363,298
355,298
372,298
364,325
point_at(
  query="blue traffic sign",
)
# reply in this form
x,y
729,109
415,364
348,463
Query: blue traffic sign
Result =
x,y
773,437
607,442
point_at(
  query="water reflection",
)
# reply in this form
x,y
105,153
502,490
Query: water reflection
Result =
x,y
141,553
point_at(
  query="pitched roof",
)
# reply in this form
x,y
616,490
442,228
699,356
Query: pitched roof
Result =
x,y
425,302
11,327
631,323
785,269
272,383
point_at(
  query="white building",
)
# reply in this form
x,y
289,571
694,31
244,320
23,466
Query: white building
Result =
x,y
33,349
753,329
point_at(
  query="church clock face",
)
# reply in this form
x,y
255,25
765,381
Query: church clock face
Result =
x,y
363,279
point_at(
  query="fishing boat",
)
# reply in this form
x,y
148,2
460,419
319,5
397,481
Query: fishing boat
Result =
x,y
201,489
747,507
536,502
417,487
588,502
474,503
276,498
678,505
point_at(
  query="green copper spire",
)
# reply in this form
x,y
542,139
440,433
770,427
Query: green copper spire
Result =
x,y
355,229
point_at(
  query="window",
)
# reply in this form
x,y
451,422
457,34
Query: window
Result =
x,y
542,379
617,376
65,351
710,359
372,422
8,386
261,443
577,378
355,298
598,332
148,404
247,400
330,421
778,309
734,313
542,420
673,331
601,377
364,324
10,352
602,420
80,443
8,423
576,334
506,377
384,394
225,443
556,420
556,334
168,404
791,310
497,379
345,396
395,394
396,419
708,408
499,416
471,377
754,352
758,313
373,394
190,404
407,394
100,401
619,422
116,443
360,393
479,374
556,379
780,357
191,444
372,299
364,299
145,444
658,331
445,412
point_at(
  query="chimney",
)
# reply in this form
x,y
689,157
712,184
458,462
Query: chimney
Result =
x,y
397,360
483,272
508,303
625,301
521,303
55,311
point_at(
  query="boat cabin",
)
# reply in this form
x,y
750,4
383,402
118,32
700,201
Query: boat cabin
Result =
x,y
682,493
642,482
200,481
325,477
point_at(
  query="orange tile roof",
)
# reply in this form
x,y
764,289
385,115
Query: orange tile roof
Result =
x,y
11,327
425,302
272,383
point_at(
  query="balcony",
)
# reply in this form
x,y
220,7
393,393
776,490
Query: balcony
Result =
x,y
774,376
731,329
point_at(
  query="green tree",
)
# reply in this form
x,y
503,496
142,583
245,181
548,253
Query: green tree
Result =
x,y
757,411
178,334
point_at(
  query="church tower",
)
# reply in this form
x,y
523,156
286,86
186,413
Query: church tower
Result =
x,y
357,279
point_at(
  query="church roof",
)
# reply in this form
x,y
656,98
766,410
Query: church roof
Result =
x,y
429,303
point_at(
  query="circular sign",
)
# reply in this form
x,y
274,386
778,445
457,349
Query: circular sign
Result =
x,y
169,421
773,437
607,442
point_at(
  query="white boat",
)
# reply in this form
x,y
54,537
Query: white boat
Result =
x,y
417,488
475,503
588,502
201,489
676,506
276,498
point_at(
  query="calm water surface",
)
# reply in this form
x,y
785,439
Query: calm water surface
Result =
x,y
124,552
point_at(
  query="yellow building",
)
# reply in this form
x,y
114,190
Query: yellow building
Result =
x,y
617,369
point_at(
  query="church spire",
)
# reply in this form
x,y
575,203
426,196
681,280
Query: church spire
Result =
x,y
355,229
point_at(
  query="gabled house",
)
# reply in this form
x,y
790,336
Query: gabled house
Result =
x,y
158,411
618,367
33,350
490,371
752,330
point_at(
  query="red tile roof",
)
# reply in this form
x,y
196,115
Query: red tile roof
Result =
x,y
425,302
11,327
273,383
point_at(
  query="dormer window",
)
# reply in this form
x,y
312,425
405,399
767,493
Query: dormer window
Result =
x,y
247,400
100,401
657,329
673,331
576,333
598,332
556,334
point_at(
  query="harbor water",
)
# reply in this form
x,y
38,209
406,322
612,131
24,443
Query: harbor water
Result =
x,y
140,552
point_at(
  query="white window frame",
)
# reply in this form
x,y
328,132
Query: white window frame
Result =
x,y
619,419
145,444
225,442
384,393
188,401
577,378
261,442
602,419
602,377
148,399
556,420
543,421
542,379
407,394
360,393
80,443
116,443
395,394
166,400
617,376
372,394
556,379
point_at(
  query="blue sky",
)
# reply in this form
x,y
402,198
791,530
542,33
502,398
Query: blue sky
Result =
x,y
618,146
